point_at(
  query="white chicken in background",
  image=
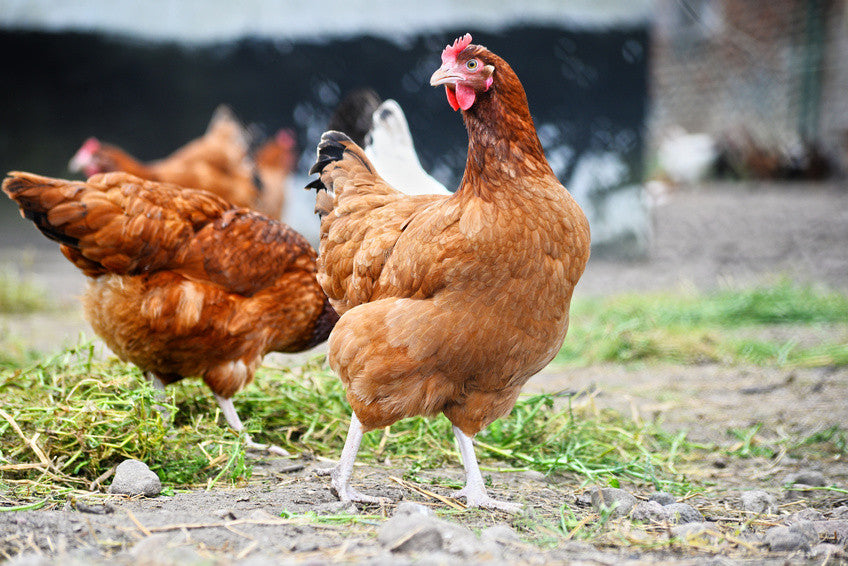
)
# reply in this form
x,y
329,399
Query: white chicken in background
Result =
x,y
389,147
684,157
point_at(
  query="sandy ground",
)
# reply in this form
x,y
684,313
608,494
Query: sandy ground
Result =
x,y
703,237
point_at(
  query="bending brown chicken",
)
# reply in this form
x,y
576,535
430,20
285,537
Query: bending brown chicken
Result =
x,y
448,303
219,162
182,283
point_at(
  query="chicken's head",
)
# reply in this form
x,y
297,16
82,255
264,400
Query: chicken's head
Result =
x,y
463,73
87,158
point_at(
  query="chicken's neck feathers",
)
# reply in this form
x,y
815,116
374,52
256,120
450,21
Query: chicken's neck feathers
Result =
x,y
504,150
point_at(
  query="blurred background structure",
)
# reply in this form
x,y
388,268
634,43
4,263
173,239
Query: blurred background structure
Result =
x,y
631,98
147,78
766,81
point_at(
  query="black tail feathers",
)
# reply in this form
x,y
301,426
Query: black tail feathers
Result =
x,y
331,148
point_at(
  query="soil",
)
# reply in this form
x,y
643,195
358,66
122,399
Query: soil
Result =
x,y
703,237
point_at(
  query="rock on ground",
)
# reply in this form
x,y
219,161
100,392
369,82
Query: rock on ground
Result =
x,y
621,502
758,501
133,477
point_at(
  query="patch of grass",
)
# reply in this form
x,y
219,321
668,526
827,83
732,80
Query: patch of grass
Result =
x,y
825,443
68,419
18,295
696,328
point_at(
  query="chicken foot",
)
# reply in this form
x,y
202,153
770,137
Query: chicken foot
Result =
x,y
341,472
235,423
474,491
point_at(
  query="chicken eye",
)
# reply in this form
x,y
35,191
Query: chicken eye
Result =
x,y
471,64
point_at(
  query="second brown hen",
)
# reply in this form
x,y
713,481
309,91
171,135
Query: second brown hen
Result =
x,y
220,162
182,283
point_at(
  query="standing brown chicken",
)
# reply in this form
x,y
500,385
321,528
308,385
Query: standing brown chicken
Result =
x,y
448,304
220,162
181,282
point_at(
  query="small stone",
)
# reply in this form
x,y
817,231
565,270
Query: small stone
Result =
x,y
411,533
679,513
648,512
461,541
501,533
662,498
787,539
805,515
133,477
806,477
758,501
412,508
620,501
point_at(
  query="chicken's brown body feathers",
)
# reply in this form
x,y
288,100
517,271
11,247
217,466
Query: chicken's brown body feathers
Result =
x,y
450,303
183,283
218,162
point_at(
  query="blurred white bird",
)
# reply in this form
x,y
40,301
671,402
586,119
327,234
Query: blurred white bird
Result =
x,y
685,157
389,147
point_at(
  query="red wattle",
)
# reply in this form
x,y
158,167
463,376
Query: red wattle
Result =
x,y
451,98
465,96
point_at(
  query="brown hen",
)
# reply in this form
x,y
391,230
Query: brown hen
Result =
x,y
181,282
448,304
220,162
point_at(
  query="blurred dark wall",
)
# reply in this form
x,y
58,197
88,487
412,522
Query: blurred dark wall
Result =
x,y
587,91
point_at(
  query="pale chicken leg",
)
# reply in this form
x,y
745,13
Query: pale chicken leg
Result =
x,y
341,472
235,423
474,492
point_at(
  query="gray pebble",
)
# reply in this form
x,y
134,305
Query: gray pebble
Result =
x,y
420,534
663,498
133,477
411,533
500,533
620,501
806,477
679,513
648,512
804,515
788,538
758,501
412,508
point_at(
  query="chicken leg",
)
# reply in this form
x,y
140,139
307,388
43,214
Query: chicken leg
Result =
x,y
341,472
474,492
235,423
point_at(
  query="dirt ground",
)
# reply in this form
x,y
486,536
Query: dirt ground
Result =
x,y
703,237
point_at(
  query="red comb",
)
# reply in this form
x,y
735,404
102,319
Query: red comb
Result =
x,y
92,145
451,51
